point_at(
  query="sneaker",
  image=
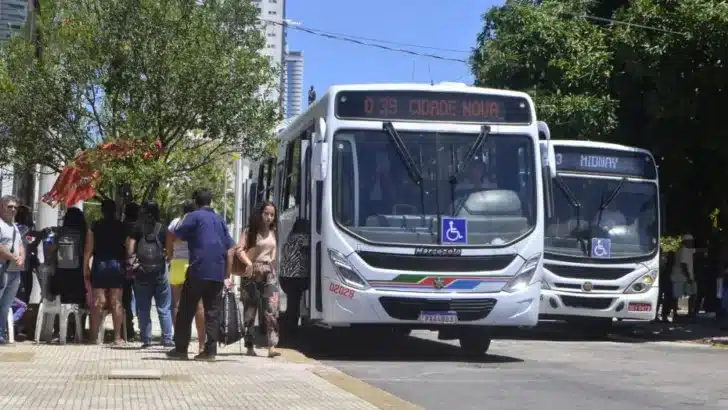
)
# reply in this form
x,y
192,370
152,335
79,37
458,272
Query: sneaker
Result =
x,y
205,357
146,345
168,344
175,355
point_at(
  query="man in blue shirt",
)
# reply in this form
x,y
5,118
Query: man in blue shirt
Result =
x,y
210,261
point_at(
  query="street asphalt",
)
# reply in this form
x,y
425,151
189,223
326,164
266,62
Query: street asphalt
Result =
x,y
544,370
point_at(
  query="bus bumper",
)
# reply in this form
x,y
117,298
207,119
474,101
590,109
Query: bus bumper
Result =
x,y
641,306
376,306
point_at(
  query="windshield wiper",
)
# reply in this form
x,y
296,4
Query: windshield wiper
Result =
x,y
477,145
412,169
605,202
578,233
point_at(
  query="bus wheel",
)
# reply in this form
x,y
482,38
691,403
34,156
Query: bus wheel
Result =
x,y
474,345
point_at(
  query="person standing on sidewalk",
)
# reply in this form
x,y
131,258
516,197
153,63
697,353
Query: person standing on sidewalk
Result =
x,y
179,262
683,274
128,302
146,252
257,250
12,255
105,245
211,260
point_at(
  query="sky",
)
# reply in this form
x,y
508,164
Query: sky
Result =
x,y
444,24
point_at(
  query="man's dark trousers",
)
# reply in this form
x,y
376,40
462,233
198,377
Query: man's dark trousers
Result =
x,y
127,302
193,290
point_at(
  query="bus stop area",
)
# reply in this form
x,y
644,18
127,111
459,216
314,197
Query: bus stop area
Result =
x,y
73,376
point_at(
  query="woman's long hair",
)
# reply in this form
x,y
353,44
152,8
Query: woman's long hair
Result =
x,y
74,219
255,221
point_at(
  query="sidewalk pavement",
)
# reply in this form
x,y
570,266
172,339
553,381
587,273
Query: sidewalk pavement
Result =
x,y
51,376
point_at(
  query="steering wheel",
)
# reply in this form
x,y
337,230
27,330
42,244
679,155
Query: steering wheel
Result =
x,y
406,206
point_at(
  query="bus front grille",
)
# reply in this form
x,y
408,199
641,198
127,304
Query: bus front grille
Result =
x,y
410,308
588,272
586,303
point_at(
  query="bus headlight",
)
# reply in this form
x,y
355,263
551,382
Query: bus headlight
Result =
x,y
524,277
643,283
346,273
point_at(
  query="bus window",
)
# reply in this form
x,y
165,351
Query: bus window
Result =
x,y
343,189
291,186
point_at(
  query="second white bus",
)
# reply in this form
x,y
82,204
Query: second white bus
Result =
x,y
602,244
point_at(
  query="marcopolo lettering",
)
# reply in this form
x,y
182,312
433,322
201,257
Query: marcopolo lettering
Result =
x,y
598,161
340,290
438,251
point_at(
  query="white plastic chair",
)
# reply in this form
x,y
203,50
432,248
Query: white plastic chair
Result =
x,y
48,311
11,327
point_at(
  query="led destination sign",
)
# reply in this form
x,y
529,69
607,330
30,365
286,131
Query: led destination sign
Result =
x,y
607,161
432,106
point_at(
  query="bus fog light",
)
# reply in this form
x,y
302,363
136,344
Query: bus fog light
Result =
x,y
346,273
524,277
643,283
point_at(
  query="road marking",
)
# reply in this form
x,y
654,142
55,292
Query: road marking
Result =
x,y
374,395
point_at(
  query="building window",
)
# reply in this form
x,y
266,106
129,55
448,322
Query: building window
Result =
x,y
272,12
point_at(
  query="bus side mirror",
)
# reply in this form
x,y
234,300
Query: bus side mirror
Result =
x,y
319,160
551,161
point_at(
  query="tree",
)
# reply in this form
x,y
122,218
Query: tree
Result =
x,y
647,73
188,74
563,61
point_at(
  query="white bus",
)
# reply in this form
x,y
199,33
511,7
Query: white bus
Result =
x,y
425,208
603,240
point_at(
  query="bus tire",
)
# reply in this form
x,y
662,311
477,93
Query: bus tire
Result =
x,y
474,345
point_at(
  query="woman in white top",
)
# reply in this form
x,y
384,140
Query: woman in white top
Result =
x,y
178,252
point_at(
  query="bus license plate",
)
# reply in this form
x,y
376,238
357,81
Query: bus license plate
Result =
x,y
639,307
440,318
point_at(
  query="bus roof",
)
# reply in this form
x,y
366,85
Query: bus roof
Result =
x,y
597,144
441,87
321,106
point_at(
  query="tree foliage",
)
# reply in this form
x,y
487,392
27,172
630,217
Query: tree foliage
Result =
x,y
562,61
186,73
657,82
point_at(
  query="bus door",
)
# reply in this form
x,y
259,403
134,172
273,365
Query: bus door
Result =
x,y
318,168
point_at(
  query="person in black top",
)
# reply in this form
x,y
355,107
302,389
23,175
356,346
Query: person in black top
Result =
x,y
146,247
131,215
105,243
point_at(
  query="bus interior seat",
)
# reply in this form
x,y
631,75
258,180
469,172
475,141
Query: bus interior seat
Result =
x,y
399,221
495,210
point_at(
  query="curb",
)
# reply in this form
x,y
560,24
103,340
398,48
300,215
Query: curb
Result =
x,y
380,398
698,344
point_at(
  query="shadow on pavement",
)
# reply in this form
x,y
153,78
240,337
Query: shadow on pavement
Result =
x,y
703,329
347,345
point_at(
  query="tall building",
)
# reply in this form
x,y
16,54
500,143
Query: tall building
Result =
x,y
13,14
292,83
274,11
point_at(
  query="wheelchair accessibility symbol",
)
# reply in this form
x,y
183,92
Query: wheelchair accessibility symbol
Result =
x,y
601,248
454,230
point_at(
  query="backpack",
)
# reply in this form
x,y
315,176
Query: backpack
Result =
x,y
68,255
149,250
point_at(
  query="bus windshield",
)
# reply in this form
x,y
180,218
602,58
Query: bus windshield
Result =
x,y
629,222
381,199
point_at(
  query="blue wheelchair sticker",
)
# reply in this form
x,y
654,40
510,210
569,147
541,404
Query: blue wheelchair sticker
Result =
x,y
601,248
454,230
